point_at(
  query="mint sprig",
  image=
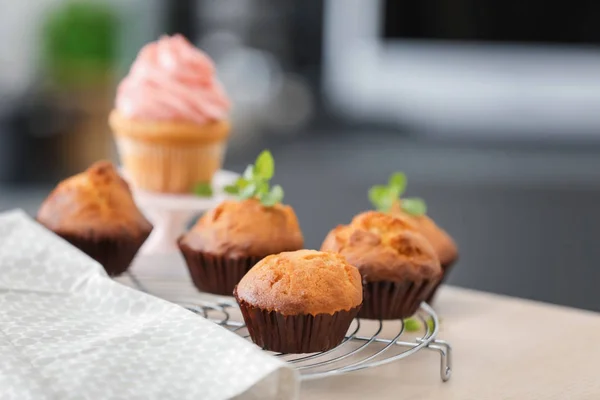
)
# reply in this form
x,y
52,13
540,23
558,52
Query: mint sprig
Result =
x,y
203,189
255,182
414,206
383,197
414,325
411,325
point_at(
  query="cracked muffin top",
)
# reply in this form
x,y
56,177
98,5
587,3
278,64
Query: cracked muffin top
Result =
x,y
302,282
95,203
384,248
245,228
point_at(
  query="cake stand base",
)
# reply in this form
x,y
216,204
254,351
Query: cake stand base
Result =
x,y
171,213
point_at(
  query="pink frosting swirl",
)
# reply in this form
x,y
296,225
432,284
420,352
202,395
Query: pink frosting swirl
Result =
x,y
172,80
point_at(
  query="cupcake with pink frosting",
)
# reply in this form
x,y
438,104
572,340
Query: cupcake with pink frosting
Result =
x,y
170,120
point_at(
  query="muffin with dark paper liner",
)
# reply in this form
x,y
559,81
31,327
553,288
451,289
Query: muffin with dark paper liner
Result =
x,y
115,254
399,267
300,302
95,212
389,198
227,241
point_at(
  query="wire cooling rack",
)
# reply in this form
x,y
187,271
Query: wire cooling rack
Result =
x,y
364,346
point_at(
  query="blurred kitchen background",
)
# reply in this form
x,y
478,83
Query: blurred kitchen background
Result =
x,y
492,108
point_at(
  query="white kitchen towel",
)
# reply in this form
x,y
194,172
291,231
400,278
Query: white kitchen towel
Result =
x,y
67,331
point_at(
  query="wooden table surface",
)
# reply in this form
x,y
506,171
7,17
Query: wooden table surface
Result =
x,y
503,348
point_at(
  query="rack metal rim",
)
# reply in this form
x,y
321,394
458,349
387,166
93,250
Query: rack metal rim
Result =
x,y
310,365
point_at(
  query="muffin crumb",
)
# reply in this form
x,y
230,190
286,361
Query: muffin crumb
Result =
x,y
384,247
245,228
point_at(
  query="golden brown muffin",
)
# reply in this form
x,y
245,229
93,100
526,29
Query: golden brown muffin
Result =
x,y
246,228
228,240
383,247
95,211
301,301
398,265
302,282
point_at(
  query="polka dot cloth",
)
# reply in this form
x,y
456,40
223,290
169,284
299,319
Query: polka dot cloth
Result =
x,y
69,332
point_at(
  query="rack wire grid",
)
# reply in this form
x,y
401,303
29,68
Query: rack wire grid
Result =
x,y
362,347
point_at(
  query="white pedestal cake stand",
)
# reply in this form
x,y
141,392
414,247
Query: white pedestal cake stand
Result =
x,y
170,213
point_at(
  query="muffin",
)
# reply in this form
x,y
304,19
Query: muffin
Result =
x,y
299,302
228,240
170,118
439,239
95,212
399,267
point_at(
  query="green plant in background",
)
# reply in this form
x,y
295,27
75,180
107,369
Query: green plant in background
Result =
x,y
255,183
383,197
79,41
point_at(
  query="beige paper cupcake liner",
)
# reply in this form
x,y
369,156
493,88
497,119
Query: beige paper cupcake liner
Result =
x,y
165,168
169,156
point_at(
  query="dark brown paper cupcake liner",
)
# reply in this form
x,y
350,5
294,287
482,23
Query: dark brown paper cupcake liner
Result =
x,y
394,300
115,254
215,274
303,333
446,268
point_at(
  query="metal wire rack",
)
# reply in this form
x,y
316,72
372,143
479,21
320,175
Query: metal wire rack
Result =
x,y
364,346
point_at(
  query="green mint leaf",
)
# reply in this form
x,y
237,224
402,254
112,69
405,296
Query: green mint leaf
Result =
x,y
248,173
262,187
398,180
274,196
414,206
231,189
236,187
264,167
203,189
393,193
384,197
414,325
376,195
248,191
255,182
242,183
388,200
411,325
